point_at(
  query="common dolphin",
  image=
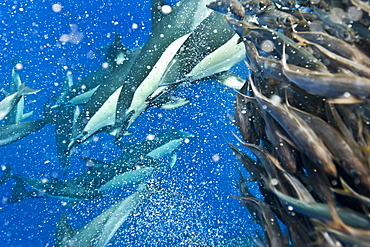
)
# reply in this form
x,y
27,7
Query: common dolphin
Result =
x,y
73,93
137,161
13,132
10,101
168,48
102,228
16,115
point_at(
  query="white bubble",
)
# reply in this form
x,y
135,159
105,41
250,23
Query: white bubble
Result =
x,y
134,26
347,95
216,157
267,46
64,38
354,13
274,181
166,9
18,66
57,7
150,137
275,99
105,65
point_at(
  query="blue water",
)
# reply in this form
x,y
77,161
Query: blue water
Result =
x,y
203,213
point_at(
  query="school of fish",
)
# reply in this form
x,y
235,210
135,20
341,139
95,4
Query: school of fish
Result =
x,y
304,114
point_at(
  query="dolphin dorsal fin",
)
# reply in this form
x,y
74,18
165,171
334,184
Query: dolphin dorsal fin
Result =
x,y
116,53
64,231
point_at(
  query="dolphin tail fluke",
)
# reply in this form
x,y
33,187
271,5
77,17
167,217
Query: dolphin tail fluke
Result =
x,y
24,90
19,192
7,174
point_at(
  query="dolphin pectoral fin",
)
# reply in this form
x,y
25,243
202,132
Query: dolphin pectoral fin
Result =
x,y
229,79
173,160
27,115
114,132
174,102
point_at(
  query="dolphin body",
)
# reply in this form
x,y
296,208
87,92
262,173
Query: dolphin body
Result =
x,y
159,68
101,229
13,132
137,161
117,58
11,101
16,115
117,55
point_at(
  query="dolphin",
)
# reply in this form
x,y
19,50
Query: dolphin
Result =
x,y
13,132
137,161
102,228
10,101
16,115
159,68
116,55
117,58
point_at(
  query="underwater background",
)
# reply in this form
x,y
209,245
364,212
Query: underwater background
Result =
x,y
204,175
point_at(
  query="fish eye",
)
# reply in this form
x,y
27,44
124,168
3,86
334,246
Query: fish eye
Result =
x,y
261,5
